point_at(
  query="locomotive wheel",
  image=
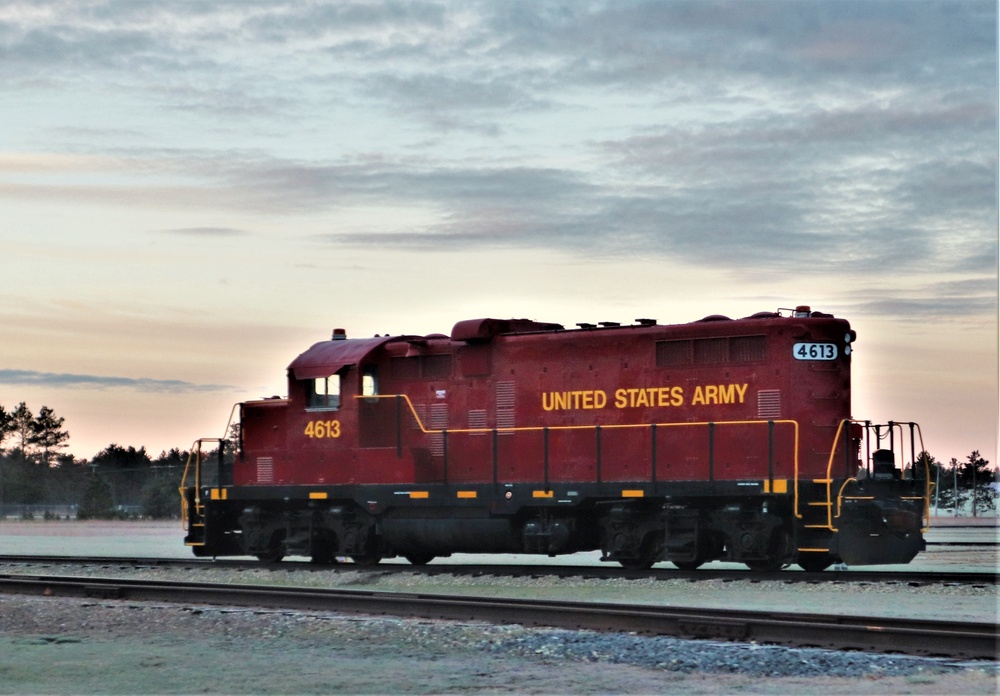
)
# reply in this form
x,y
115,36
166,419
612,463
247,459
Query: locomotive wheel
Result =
x,y
688,565
275,549
367,559
814,562
768,565
324,550
697,561
645,559
775,560
636,563
324,557
419,559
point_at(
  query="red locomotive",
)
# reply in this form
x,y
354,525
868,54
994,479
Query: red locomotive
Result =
x,y
718,439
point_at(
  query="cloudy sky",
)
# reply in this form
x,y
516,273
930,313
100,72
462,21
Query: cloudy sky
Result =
x,y
195,192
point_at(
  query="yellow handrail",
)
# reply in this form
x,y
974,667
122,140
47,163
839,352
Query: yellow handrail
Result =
x,y
840,499
195,454
928,486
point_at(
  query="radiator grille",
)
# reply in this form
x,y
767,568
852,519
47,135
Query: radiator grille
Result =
x,y
711,351
747,348
671,353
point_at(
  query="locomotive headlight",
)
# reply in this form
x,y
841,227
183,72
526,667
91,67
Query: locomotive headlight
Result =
x,y
849,338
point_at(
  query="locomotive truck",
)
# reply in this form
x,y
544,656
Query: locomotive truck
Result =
x,y
719,439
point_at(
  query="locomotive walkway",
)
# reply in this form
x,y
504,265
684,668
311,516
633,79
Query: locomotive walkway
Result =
x,y
930,638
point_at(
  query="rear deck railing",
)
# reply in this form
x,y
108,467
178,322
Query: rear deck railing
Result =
x,y
877,432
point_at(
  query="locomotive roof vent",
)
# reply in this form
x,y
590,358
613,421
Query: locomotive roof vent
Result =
x,y
585,325
646,322
339,335
608,324
482,330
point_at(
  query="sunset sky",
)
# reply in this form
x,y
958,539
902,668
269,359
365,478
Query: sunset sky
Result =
x,y
193,193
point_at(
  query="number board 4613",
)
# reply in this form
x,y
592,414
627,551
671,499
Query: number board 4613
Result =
x,y
815,351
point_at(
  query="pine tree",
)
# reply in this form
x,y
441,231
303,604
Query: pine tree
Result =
x,y
98,501
976,476
6,425
22,421
48,434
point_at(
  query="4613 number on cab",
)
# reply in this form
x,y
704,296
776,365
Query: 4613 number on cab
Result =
x,y
322,429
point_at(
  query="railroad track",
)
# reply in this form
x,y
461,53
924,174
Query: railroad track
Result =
x,y
833,576
928,638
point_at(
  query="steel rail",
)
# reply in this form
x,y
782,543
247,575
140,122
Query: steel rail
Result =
x,y
507,570
874,634
963,543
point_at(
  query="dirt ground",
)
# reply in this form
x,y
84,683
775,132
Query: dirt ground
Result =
x,y
72,646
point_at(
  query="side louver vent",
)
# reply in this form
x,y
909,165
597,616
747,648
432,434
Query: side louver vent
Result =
x,y
769,404
505,405
439,421
265,469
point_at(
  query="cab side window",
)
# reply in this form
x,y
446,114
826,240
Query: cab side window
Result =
x,y
324,393
369,382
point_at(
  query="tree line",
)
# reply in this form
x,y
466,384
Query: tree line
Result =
x,y
967,488
35,472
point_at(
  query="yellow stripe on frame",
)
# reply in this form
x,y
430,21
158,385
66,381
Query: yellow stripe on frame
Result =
x,y
541,494
419,494
633,493
466,494
780,486
317,495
